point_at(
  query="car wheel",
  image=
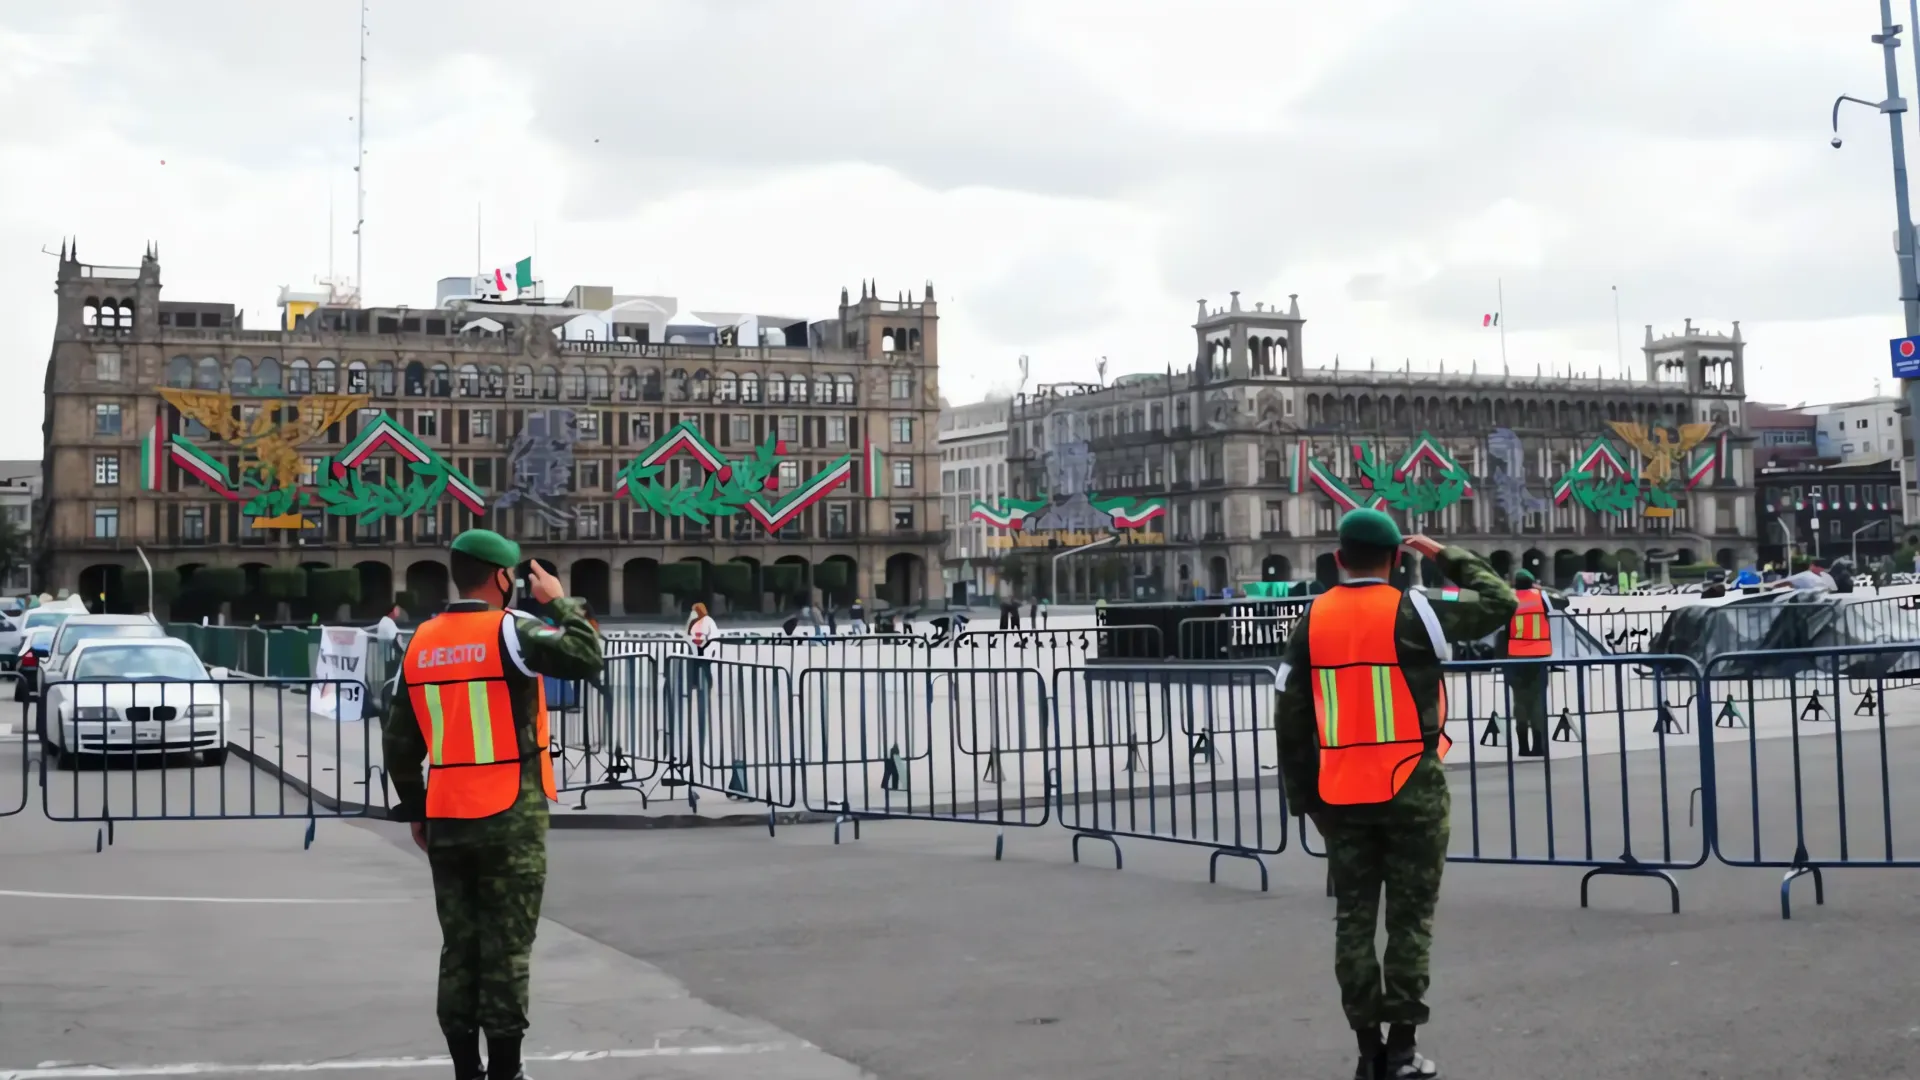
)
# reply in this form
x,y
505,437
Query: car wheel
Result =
x,y
214,758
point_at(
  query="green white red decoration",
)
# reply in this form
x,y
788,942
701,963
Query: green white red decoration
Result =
x,y
153,453
873,471
731,487
1423,480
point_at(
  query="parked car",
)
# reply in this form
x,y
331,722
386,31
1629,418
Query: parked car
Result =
x,y
25,664
46,615
81,628
130,697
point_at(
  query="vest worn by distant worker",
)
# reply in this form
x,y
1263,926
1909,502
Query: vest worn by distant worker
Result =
x,y
1528,633
1367,721
455,671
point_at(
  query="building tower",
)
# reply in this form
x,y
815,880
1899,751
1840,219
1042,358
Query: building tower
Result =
x,y
1264,343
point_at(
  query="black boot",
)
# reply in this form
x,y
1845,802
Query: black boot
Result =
x,y
464,1048
503,1059
1402,1061
1372,1054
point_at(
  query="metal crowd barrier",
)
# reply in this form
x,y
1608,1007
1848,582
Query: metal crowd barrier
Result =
x,y
118,751
728,727
940,744
13,796
609,739
1236,638
1793,782
1049,650
800,651
1181,753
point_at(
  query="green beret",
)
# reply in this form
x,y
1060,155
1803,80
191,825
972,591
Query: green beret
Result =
x,y
1522,579
489,547
1370,527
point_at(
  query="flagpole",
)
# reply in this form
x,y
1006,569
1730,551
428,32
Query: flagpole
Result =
x,y
479,265
1500,316
1619,351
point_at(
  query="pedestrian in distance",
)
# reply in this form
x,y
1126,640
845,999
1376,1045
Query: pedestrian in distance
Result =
x,y
1361,719
472,709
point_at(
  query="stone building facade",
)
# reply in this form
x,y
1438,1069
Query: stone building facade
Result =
x,y
1257,455
542,420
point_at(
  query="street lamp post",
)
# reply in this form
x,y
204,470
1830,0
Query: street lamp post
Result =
x,y
1788,533
1893,106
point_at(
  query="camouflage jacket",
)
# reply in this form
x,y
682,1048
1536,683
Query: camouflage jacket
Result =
x,y
570,650
1478,604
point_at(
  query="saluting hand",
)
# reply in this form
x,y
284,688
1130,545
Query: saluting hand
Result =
x,y
1423,545
546,587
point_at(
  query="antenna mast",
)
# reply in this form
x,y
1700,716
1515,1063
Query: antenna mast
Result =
x,y
360,169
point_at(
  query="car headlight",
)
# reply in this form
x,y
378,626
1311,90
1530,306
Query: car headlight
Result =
x,y
203,712
94,713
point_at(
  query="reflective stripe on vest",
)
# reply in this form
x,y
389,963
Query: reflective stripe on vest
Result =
x,y
1368,723
456,681
1529,632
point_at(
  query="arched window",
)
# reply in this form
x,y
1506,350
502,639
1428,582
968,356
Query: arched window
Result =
x,y
1182,414
913,341
180,372
629,385
416,379
299,378
383,379
843,389
206,374
469,382
650,385
678,386
323,377
822,389
357,377
728,387
1313,410
522,381
242,375
750,388
267,376
702,387
440,384
550,382
886,340
493,381
90,311
599,383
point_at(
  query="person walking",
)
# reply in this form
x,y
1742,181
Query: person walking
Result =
x,y
1530,637
472,710
1361,720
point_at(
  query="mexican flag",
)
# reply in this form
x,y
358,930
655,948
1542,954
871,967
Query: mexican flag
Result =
x,y
153,453
873,472
520,278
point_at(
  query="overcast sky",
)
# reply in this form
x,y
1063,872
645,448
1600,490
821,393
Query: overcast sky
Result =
x,y
1071,176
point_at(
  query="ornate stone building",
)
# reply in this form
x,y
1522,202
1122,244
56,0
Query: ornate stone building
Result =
x,y
1257,455
613,436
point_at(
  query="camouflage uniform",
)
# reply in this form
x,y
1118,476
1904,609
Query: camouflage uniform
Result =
x,y
1401,845
1529,685
489,874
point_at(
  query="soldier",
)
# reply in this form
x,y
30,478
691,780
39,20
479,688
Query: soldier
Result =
x,y
1530,635
473,707
1361,720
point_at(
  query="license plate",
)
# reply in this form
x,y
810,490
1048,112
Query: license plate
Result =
x,y
147,736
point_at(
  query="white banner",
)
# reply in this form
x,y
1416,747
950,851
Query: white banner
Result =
x,y
343,656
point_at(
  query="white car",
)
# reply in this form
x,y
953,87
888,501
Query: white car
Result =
x,y
16,627
85,627
135,696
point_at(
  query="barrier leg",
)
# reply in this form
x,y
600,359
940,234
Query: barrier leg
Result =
x,y
1119,863
103,837
1786,888
846,815
1629,867
1213,864
1490,735
1564,731
1869,703
999,842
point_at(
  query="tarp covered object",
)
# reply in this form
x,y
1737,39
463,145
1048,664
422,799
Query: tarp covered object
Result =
x,y
1782,620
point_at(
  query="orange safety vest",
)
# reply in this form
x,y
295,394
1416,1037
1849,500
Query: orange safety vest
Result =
x,y
455,670
1529,634
1369,727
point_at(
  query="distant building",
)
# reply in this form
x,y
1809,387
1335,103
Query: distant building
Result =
x,y
19,496
973,468
1256,456
1830,479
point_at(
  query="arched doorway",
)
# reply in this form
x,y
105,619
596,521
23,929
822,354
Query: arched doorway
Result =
x,y
591,580
640,586
253,604
100,588
1566,563
1596,561
1276,568
1183,589
906,580
839,578
1724,557
1216,574
376,590
1534,561
790,580
428,588
753,592
1326,569
1685,557
1502,562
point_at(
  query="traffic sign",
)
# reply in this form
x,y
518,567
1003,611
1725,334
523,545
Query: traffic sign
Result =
x,y
1906,357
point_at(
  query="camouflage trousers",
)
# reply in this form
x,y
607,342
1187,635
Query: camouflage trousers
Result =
x,y
1403,860
1528,684
488,897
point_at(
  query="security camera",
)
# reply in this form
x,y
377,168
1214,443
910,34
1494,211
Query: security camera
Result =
x,y
1836,142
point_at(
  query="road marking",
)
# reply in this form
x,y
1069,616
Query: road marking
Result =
x,y
53,1070
202,900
